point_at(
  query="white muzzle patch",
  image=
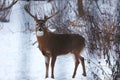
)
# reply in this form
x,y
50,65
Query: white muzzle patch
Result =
x,y
40,33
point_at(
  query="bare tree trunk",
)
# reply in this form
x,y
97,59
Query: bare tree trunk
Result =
x,y
80,8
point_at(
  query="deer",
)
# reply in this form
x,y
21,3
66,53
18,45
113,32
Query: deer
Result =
x,y
52,45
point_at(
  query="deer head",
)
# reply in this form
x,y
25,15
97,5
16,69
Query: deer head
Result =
x,y
53,45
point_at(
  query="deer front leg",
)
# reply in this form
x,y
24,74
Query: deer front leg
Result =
x,y
76,65
47,60
52,65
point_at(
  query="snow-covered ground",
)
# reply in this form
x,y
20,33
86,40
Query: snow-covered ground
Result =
x,y
20,60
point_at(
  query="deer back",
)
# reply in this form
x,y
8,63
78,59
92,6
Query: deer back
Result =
x,y
60,43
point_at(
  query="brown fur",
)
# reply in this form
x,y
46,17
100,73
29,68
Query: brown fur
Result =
x,y
53,45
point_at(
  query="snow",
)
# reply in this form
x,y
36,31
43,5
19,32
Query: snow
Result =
x,y
20,60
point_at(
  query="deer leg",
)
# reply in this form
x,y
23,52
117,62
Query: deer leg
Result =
x,y
83,65
47,60
52,65
76,65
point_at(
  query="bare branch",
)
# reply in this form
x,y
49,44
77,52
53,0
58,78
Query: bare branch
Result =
x,y
80,8
2,7
98,7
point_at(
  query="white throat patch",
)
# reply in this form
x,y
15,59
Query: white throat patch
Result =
x,y
40,33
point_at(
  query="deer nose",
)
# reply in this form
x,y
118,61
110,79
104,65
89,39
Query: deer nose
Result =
x,y
40,28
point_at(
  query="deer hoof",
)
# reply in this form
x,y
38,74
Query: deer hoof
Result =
x,y
46,76
52,76
84,74
73,76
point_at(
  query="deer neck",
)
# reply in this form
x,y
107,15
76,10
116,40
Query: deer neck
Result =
x,y
42,38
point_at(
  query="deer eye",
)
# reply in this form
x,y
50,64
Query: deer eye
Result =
x,y
37,24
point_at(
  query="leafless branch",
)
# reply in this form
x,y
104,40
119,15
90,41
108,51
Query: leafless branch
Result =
x,y
3,8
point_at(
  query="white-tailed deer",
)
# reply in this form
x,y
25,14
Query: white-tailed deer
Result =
x,y
53,45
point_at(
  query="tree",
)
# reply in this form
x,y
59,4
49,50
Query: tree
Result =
x,y
5,9
98,20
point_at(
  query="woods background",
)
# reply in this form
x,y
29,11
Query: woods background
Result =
x,y
98,21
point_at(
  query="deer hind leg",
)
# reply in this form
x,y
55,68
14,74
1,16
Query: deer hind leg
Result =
x,y
76,65
83,65
52,65
47,60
